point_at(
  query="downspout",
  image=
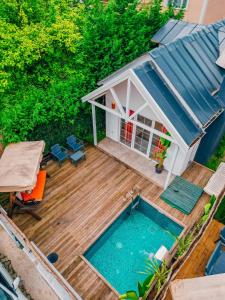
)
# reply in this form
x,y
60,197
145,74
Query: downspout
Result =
x,y
203,11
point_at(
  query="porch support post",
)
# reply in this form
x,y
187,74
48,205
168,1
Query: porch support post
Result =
x,y
172,166
94,124
128,97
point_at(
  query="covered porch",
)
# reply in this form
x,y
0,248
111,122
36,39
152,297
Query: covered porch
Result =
x,y
139,163
137,132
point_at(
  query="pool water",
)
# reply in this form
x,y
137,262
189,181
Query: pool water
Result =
x,y
121,251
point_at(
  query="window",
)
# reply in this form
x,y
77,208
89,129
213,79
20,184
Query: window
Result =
x,y
140,139
144,120
178,3
126,131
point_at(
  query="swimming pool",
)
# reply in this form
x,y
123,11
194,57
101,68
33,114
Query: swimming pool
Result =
x,y
119,254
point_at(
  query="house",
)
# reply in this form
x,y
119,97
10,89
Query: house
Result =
x,y
174,92
200,11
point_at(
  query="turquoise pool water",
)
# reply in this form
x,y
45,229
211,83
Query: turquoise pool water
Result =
x,y
121,251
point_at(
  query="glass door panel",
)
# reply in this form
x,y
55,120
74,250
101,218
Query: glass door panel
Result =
x,y
126,131
141,140
154,146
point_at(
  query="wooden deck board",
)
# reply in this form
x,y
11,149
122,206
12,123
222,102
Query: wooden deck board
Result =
x,y
80,202
196,263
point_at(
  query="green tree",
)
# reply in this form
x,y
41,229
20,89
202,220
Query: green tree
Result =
x,y
54,52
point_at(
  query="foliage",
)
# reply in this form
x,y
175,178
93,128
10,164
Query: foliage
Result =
x,y
54,52
184,244
161,154
81,126
220,214
155,272
143,289
160,271
218,156
207,209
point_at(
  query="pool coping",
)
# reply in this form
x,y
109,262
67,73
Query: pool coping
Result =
x,y
185,227
99,275
171,251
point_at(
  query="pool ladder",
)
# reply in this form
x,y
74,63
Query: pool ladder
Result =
x,y
136,190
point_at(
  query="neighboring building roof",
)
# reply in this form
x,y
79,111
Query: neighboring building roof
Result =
x,y
170,105
221,35
189,64
221,93
207,288
173,30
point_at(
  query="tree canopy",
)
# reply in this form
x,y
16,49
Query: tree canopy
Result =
x,y
54,52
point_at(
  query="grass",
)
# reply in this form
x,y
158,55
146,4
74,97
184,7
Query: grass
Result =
x,y
218,156
220,214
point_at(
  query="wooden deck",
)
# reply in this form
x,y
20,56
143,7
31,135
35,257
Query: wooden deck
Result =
x,y
80,202
144,166
195,264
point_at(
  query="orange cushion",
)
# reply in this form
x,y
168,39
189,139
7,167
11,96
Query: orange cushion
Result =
x,y
38,191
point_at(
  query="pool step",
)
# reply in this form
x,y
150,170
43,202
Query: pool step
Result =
x,y
87,282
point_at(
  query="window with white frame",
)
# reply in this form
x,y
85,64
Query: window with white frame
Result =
x,y
140,139
178,3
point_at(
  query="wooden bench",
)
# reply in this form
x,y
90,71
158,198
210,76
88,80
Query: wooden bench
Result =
x,y
216,184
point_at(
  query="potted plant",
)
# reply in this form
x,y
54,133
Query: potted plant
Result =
x,y
160,154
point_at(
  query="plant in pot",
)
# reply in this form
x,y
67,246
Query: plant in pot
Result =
x,y
160,154
160,157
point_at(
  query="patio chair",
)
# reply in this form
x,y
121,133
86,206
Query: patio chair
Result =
x,y
216,263
59,153
74,143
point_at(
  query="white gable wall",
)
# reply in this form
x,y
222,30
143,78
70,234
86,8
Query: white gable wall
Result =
x,y
136,100
112,121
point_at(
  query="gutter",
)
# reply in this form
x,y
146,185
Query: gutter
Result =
x,y
203,11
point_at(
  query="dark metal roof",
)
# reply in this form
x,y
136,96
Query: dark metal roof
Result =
x,y
189,64
221,35
170,105
221,93
173,30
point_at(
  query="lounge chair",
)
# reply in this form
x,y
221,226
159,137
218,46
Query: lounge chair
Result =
x,y
216,263
27,202
59,153
74,143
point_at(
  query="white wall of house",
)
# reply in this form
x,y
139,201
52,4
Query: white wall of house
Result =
x,y
136,100
112,121
183,158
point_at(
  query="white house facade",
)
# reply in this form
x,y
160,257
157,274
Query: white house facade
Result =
x,y
142,105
